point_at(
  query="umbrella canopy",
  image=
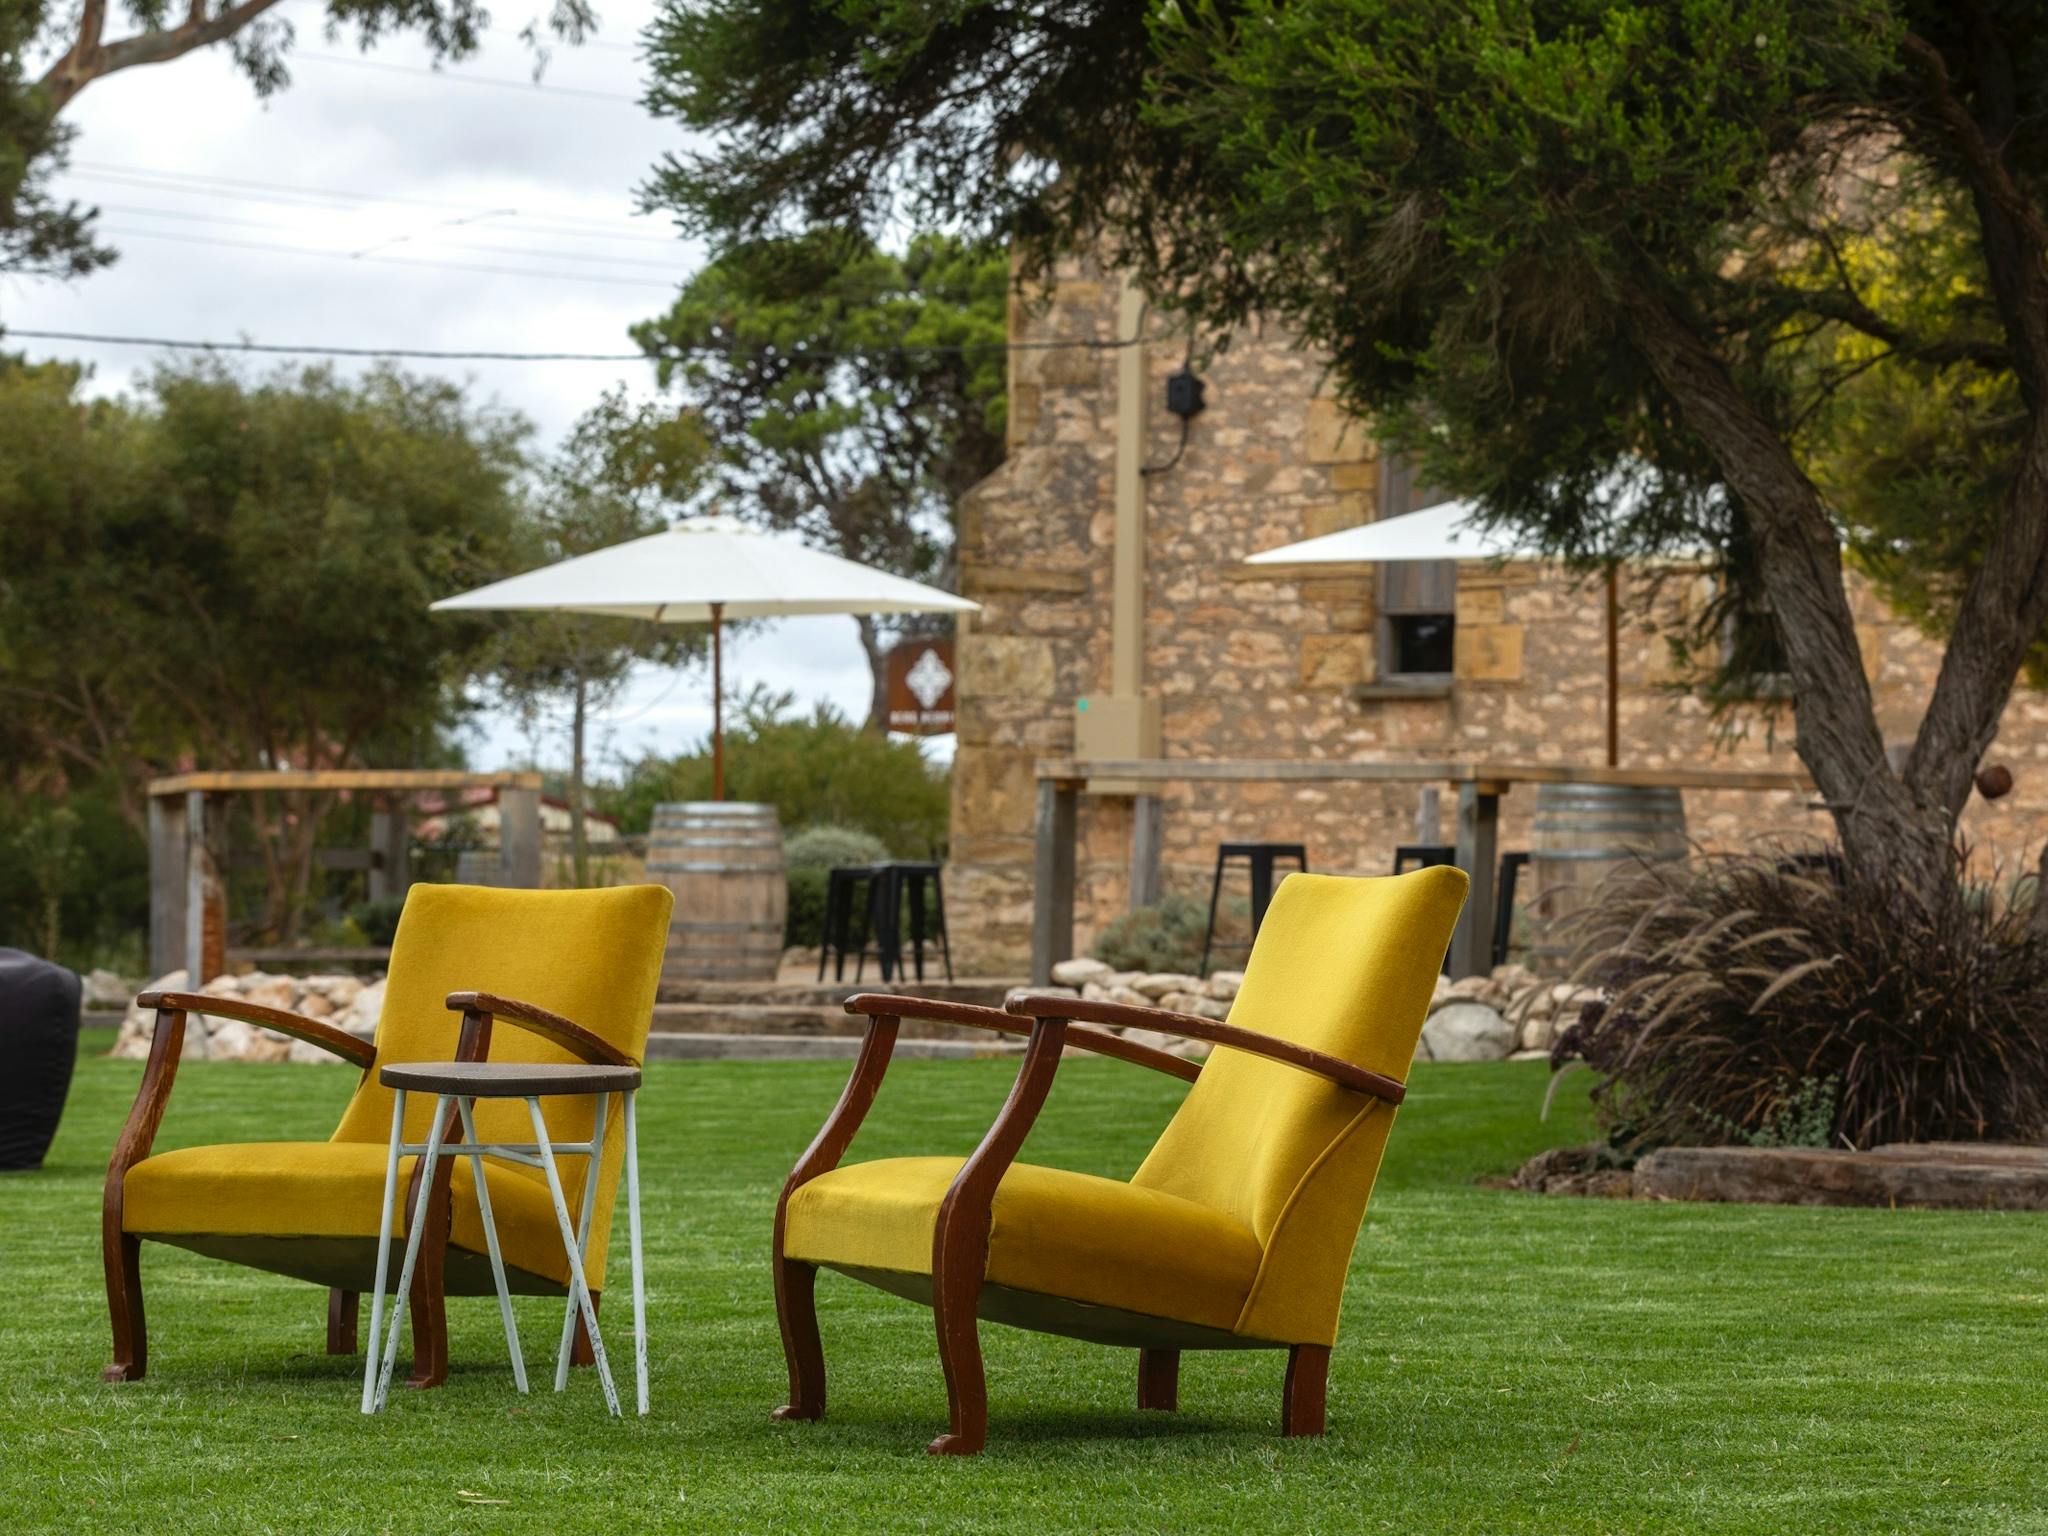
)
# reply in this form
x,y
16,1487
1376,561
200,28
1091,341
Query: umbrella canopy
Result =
x,y
1446,531
707,570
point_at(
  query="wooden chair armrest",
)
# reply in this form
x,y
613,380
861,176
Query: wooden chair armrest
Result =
x,y
358,1053
876,1004
1345,1074
571,1037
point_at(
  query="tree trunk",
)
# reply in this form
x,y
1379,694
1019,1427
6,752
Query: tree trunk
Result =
x,y
878,671
1885,834
579,846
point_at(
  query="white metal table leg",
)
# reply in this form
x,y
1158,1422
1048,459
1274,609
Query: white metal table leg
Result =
x,y
466,1108
579,1291
383,1251
639,1269
412,1249
603,1113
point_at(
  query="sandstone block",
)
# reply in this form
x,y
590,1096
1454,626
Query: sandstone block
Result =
x,y
1005,666
1335,435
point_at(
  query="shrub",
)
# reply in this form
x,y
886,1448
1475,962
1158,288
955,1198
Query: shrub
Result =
x,y
377,920
1167,937
815,769
810,856
1748,998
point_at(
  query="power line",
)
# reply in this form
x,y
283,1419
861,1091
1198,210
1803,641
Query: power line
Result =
x,y
503,82
1064,343
195,183
397,261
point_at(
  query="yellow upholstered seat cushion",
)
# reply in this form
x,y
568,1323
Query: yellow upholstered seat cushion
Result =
x,y
334,1189
1070,1235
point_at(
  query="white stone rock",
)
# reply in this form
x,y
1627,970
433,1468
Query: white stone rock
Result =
x,y
314,1005
1470,987
1159,983
1196,1003
1095,991
308,1054
1121,978
1081,970
1539,1032
1150,1037
1466,1031
270,991
1130,997
363,1013
1223,985
104,991
138,1024
1442,993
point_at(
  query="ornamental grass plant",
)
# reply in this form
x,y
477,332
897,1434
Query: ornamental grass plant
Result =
x,y
1759,998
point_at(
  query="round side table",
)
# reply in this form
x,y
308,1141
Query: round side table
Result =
x,y
462,1083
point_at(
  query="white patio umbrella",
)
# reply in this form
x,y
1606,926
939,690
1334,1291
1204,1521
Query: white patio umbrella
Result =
x,y
1449,530
707,570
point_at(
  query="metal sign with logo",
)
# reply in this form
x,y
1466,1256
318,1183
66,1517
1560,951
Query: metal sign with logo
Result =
x,y
919,677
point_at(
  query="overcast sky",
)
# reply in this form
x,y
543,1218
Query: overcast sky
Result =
x,y
377,204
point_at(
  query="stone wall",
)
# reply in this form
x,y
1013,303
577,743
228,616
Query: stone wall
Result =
x,y
1267,664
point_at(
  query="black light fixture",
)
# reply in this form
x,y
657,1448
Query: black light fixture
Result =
x,y
1184,393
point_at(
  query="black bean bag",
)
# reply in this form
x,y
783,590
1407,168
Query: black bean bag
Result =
x,y
38,1047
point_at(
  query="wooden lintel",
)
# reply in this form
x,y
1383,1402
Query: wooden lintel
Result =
x,y
339,778
1496,776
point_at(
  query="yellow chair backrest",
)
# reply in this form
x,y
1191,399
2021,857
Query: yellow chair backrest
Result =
x,y
1346,967
592,956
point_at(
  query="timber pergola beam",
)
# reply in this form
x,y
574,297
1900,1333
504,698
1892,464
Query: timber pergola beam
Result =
x,y
184,881
1061,782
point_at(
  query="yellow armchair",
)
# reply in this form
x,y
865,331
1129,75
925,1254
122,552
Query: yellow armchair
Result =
x,y
574,972
1235,1233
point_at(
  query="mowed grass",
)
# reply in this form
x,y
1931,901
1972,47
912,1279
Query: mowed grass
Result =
x,y
1508,1363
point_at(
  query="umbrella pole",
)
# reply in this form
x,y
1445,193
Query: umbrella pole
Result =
x,y
718,701
1613,668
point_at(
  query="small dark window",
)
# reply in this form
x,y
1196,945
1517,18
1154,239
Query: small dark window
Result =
x,y
1421,643
1417,598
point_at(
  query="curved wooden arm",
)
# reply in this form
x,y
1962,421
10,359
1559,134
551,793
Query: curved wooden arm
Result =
x,y
571,1037
1345,1074
358,1053
875,1004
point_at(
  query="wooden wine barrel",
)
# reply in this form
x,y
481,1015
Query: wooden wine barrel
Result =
x,y
1584,833
724,862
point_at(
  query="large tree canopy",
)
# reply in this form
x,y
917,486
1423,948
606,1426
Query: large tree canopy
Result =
x,y
1553,246
236,572
854,395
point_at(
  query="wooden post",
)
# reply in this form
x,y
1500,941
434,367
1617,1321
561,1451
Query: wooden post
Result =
x,y
718,701
1052,891
1478,838
1146,834
519,838
205,954
1613,666
390,852
1429,816
167,885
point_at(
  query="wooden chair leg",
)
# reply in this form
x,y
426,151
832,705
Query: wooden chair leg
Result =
x,y
956,1298
1159,1379
122,1252
343,1308
580,1352
1308,1381
796,1309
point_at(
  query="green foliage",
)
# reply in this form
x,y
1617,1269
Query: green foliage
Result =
x,y
39,232
74,876
1167,937
235,571
811,855
854,394
815,770
1748,998
377,921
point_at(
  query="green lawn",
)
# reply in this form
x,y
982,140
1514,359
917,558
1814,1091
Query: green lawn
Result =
x,y
1508,1363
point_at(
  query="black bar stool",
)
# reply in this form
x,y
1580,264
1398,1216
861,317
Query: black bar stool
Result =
x,y
891,887
1422,856
841,885
1260,858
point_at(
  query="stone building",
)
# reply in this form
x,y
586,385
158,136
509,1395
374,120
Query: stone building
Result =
x,y
1204,657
